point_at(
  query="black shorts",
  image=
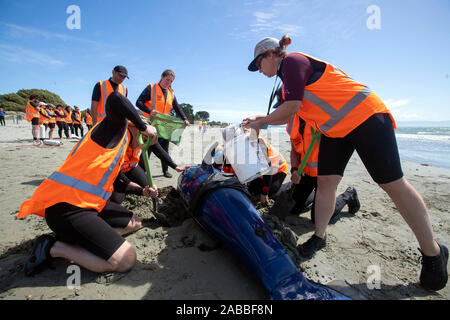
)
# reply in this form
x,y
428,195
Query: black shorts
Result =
x,y
375,142
89,229
51,125
35,121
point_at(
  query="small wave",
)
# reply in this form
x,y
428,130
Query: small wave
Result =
x,y
424,137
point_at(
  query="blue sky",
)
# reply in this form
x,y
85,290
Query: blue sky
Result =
x,y
209,44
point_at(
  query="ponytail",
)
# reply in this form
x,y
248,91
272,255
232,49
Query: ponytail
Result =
x,y
285,41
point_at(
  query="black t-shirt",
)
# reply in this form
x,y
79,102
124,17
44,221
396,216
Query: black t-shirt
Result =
x,y
96,94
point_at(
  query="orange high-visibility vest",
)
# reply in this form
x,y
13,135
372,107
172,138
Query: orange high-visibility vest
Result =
x,y
77,115
52,115
337,104
157,101
60,118
85,179
88,119
68,116
42,116
31,112
132,155
277,161
301,144
105,90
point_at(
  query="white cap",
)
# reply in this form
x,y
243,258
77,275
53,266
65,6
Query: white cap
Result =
x,y
261,47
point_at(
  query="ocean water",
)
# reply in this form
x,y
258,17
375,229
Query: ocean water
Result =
x,y
426,145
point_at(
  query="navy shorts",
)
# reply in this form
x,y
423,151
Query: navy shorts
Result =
x,y
374,141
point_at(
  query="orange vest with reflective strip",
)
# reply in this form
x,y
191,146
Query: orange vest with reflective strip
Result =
x,y
301,144
84,180
42,116
52,115
132,155
276,159
88,119
31,112
68,116
105,90
60,118
77,117
157,101
338,104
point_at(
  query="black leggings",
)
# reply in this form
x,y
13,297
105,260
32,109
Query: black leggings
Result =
x,y
77,126
136,175
62,126
305,195
165,145
161,153
2,120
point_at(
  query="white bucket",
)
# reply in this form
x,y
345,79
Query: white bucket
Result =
x,y
49,142
247,158
41,131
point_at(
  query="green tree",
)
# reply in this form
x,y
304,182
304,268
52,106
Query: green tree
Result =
x,y
17,101
202,115
187,109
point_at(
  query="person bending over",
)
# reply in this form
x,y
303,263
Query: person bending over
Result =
x,y
74,200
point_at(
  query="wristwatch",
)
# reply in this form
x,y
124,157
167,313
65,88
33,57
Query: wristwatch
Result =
x,y
294,169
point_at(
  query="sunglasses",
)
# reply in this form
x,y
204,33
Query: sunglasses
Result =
x,y
258,61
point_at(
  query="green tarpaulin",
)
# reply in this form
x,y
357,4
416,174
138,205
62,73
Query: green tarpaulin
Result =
x,y
168,127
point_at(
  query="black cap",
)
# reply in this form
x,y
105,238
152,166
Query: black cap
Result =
x,y
122,71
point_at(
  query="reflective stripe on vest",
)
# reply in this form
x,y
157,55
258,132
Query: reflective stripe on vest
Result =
x,y
336,115
104,96
167,101
96,190
289,126
130,165
153,98
31,111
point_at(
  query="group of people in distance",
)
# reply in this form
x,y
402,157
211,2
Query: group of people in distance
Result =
x,y
68,120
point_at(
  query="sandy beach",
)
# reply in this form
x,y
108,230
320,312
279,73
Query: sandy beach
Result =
x,y
183,262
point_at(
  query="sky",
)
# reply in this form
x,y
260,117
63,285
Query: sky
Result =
x,y
400,49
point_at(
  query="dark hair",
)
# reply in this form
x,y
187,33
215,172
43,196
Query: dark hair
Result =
x,y
168,72
34,96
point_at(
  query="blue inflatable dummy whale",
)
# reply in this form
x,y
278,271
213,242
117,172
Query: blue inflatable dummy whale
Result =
x,y
220,205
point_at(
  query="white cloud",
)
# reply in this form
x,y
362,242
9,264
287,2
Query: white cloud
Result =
x,y
18,54
17,31
262,17
391,103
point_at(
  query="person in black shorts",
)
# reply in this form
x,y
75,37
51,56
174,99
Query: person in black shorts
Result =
x,y
89,238
350,117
